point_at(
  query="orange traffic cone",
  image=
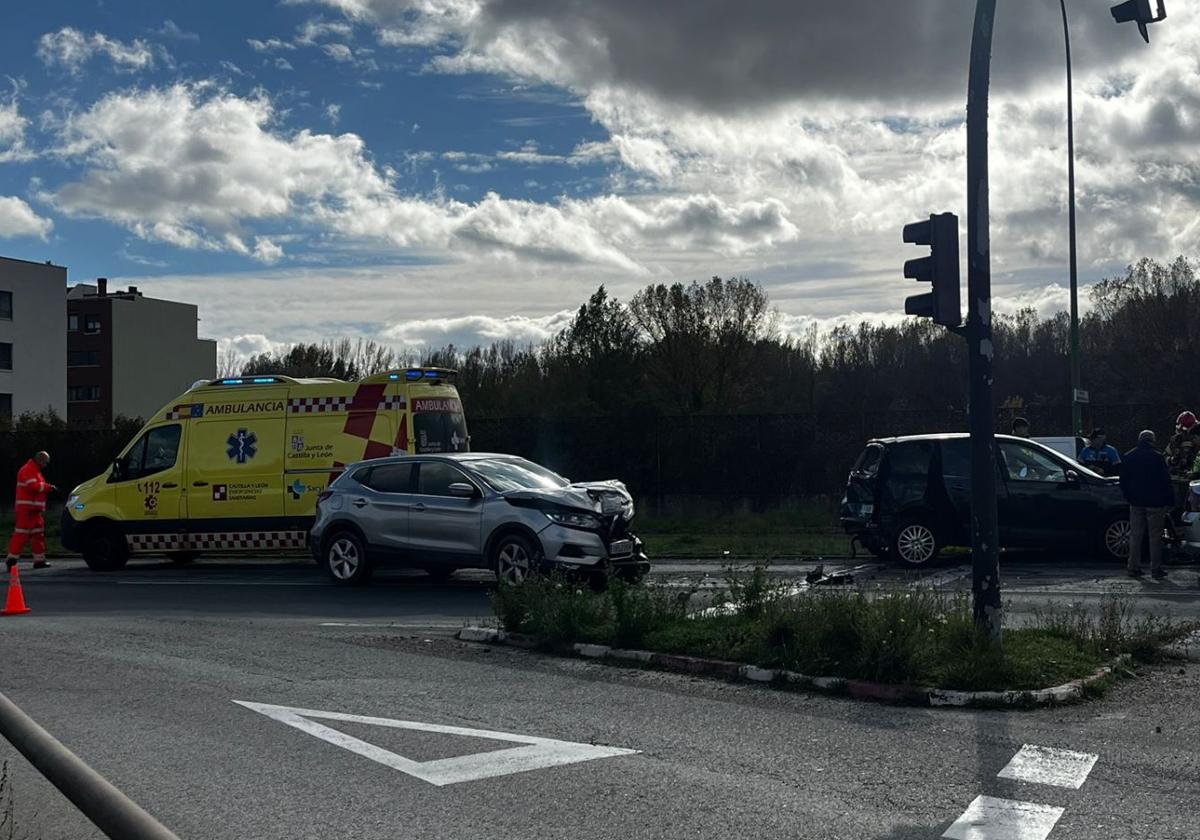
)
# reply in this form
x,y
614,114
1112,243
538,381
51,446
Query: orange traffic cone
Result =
x,y
16,598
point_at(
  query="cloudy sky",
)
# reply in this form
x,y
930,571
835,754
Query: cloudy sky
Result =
x,y
424,171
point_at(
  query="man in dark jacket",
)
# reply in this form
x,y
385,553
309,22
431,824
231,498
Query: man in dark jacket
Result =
x,y
1146,483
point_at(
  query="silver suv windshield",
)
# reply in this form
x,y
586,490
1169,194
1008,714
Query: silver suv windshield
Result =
x,y
504,474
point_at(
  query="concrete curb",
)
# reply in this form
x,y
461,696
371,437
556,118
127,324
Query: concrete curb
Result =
x,y
860,689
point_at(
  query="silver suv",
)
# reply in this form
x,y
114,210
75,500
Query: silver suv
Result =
x,y
472,510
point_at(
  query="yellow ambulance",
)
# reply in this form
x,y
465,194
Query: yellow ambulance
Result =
x,y
236,464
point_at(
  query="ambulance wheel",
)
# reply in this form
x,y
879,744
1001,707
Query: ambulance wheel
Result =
x,y
105,549
183,558
345,559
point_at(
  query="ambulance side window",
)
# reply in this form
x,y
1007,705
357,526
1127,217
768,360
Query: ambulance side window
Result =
x,y
155,451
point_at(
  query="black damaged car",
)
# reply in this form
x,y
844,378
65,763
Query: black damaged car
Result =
x,y
907,498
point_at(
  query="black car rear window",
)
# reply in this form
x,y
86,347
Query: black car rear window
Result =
x,y
868,461
910,458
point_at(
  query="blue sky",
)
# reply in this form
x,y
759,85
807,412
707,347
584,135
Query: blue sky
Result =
x,y
422,171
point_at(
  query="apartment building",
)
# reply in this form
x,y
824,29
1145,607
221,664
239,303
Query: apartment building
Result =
x,y
33,348
128,354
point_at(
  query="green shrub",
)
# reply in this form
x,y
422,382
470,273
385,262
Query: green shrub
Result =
x,y
639,610
919,637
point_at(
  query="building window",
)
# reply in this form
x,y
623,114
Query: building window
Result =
x,y
72,323
5,356
83,393
91,324
83,358
5,406
5,306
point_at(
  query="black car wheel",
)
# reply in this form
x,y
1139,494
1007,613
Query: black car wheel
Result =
x,y
345,559
105,549
915,543
1113,541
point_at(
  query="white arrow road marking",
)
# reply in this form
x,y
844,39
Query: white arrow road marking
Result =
x,y
988,818
1049,766
534,754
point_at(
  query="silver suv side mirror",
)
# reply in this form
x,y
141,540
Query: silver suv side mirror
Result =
x,y
462,490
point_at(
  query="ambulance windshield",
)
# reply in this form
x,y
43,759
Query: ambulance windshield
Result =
x,y
439,425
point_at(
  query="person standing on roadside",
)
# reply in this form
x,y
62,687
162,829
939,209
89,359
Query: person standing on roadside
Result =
x,y
1146,485
1099,455
30,508
1020,427
1181,454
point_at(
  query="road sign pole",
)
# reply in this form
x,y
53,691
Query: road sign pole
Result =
x,y
985,554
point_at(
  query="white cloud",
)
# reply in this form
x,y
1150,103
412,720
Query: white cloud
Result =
x,y
269,45
12,132
472,330
338,52
170,29
71,49
845,153
200,168
19,219
316,30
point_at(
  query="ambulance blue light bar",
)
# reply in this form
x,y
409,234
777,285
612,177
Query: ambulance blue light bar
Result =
x,y
249,380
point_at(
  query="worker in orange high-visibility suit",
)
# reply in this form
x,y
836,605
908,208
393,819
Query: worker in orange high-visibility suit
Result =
x,y
30,507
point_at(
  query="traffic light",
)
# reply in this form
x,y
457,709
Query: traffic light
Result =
x,y
940,268
1138,11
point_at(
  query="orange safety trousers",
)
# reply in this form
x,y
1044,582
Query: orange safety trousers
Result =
x,y
31,527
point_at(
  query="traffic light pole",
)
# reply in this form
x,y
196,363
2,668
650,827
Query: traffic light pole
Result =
x,y
985,553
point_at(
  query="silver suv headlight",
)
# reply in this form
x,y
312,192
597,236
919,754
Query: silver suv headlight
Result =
x,y
574,520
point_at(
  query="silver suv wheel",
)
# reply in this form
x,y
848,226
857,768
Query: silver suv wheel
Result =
x,y
514,560
346,559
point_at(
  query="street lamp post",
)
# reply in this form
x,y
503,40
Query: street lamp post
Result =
x,y
1076,408
985,553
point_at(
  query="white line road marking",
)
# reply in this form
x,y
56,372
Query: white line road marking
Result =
x,y
989,818
216,583
533,754
429,626
1049,766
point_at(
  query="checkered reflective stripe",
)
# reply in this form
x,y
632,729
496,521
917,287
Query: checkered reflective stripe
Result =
x,y
317,405
185,412
218,541
155,542
320,405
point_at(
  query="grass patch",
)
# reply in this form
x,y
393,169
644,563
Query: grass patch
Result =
x,y
919,638
808,527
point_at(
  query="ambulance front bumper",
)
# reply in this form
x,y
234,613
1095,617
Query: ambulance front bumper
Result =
x,y
69,536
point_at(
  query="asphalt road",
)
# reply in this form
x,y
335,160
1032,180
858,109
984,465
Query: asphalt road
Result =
x,y
140,673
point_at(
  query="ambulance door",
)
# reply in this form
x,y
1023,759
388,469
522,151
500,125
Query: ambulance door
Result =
x,y
148,485
235,473
329,426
